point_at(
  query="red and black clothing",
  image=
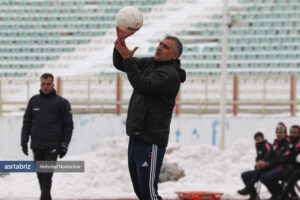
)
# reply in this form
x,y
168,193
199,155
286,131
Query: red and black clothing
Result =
x,y
262,149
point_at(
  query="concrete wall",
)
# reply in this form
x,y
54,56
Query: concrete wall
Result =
x,y
90,130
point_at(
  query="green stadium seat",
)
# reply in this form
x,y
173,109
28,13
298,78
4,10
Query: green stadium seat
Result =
x,y
268,28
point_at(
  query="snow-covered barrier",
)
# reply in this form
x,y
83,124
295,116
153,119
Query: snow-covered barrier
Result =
x,y
91,130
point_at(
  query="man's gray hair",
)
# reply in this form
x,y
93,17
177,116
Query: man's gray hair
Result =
x,y
178,47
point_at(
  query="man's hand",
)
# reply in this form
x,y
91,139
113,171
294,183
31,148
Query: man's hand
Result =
x,y
63,150
260,164
122,34
120,45
25,149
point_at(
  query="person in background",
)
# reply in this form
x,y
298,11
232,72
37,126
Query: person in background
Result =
x,y
263,147
279,146
281,165
48,122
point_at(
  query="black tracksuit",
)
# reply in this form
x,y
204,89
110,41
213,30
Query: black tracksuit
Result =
x,y
293,172
271,177
279,147
268,175
286,157
155,87
48,122
291,168
262,149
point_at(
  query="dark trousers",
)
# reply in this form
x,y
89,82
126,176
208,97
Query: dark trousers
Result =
x,y
45,179
289,189
144,162
252,176
271,180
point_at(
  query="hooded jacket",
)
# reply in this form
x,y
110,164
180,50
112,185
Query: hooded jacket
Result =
x,y
48,121
155,87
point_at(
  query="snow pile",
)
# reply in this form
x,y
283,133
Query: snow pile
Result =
x,y
209,169
106,174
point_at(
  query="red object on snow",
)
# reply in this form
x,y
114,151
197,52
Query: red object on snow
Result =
x,y
199,195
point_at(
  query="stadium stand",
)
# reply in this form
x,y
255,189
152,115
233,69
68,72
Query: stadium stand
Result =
x,y
75,37
263,39
263,35
36,33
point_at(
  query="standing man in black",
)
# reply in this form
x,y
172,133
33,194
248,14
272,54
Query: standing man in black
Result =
x,y
49,124
156,82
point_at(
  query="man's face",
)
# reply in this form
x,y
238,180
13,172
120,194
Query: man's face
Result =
x,y
258,139
280,134
294,133
166,51
47,85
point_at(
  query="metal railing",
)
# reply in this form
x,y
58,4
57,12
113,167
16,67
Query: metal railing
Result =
x,y
198,95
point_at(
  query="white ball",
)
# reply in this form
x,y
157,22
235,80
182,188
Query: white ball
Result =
x,y
129,19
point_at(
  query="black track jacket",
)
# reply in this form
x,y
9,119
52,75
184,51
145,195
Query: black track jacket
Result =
x,y
48,121
155,87
262,149
279,147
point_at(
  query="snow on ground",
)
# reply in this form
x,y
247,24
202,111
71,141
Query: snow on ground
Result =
x,y
106,174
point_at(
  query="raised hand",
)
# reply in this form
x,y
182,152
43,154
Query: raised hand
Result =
x,y
122,34
120,45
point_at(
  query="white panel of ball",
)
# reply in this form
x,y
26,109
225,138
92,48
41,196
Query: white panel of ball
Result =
x,y
129,19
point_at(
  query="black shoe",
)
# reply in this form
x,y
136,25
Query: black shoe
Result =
x,y
254,196
244,191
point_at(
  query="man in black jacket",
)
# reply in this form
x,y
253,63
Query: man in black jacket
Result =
x,y
292,173
156,82
48,122
263,147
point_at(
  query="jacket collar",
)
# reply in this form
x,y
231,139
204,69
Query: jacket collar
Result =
x,y
169,62
51,94
281,142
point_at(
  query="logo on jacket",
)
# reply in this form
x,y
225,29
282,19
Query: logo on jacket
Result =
x,y
36,109
53,151
145,164
259,152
